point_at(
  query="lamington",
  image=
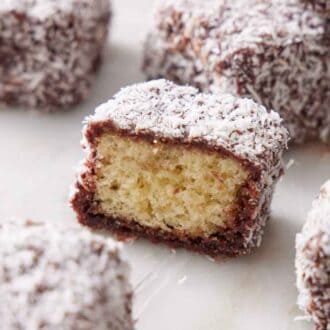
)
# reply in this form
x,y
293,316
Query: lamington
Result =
x,y
50,50
277,52
54,278
173,165
313,262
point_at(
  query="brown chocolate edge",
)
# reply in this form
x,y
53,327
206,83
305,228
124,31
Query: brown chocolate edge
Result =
x,y
228,242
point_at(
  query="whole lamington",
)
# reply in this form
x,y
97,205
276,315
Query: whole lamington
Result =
x,y
50,50
173,165
277,52
313,262
61,278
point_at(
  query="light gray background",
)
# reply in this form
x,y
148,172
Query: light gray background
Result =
x,y
178,290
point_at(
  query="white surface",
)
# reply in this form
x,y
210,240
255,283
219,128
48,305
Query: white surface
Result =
x,y
179,290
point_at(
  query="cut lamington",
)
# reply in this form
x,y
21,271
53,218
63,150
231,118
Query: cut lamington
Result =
x,y
54,278
277,52
171,164
50,50
313,262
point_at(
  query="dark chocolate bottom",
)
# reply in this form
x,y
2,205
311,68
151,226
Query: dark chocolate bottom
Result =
x,y
227,243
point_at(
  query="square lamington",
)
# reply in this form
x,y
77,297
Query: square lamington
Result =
x,y
50,50
277,52
62,278
313,262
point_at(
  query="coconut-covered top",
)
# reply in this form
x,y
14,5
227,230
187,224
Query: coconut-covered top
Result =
x,y
223,27
165,110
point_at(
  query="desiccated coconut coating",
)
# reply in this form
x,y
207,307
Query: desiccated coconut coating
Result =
x,y
169,111
50,50
320,6
278,52
162,112
313,262
55,278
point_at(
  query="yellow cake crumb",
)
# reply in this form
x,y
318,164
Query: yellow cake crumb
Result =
x,y
167,186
